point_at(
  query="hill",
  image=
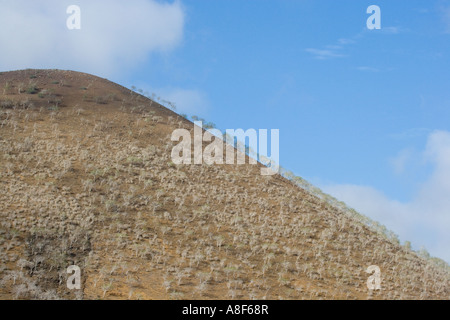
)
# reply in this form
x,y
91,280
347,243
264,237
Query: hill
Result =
x,y
87,179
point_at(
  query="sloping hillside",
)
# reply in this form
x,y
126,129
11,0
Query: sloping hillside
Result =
x,y
86,178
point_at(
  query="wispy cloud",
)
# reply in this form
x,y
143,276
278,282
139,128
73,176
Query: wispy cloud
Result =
x,y
425,219
411,133
323,54
346,41
394,30
422,10
334,50
333,47
368,69
445,15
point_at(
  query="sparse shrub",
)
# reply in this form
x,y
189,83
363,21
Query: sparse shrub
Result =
x,y
26,103
53,99
6,88
32,89
101,99
169,104
206,124
134,160
43,93
111,206
20,87
423,253
209,125
407,245
7,104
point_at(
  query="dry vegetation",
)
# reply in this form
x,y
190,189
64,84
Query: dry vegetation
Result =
x,y
86,178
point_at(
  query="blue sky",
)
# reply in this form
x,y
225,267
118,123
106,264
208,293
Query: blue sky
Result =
x,y
339,116
363,114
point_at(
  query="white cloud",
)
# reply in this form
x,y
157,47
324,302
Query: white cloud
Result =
x,y
370,202
400,161
425,219
115,35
